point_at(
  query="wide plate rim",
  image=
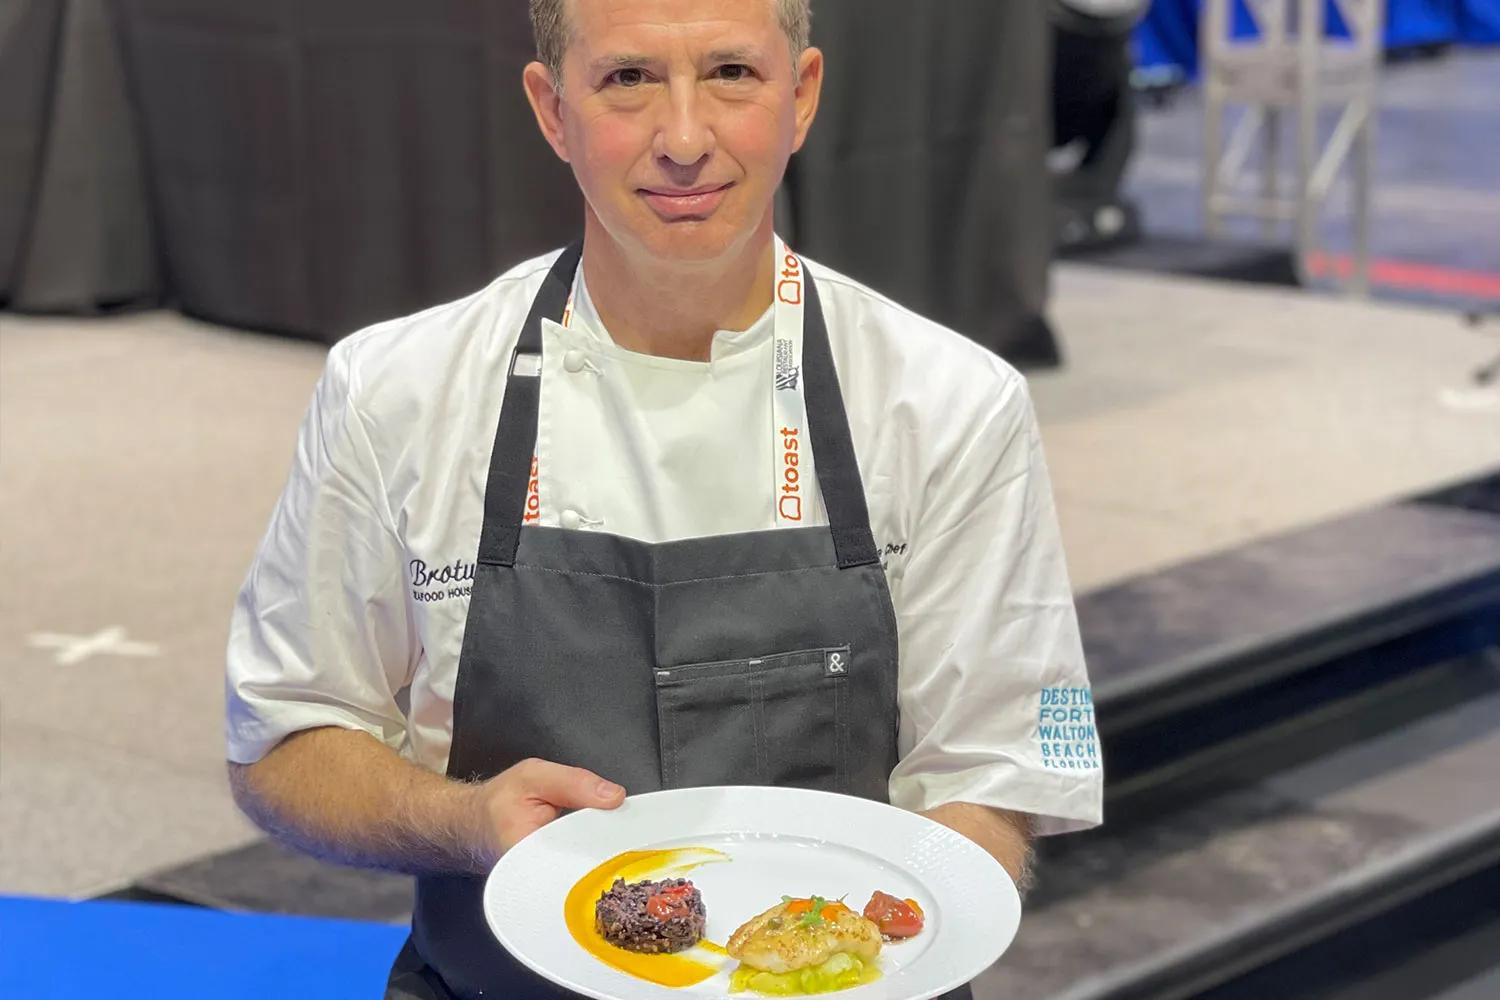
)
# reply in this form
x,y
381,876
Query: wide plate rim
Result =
x,y
615,830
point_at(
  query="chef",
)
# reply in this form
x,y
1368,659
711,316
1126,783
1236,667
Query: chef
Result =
x,y
513,520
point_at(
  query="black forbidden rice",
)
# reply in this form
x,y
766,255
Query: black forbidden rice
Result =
x,y
620,915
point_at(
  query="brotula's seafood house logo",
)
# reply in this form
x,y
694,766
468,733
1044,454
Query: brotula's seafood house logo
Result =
x,y
453,580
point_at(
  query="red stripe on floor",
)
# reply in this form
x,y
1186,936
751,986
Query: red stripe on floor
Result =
x,y
1413,277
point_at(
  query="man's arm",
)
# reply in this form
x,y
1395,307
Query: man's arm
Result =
x,y
1005,835
988,635
325,607
344,796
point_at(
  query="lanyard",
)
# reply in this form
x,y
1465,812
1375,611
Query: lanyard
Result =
x,y
792,468
792,475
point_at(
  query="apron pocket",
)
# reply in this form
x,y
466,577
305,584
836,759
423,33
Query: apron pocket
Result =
x,y
768,720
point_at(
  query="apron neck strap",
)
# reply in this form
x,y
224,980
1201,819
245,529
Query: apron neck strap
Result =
x,y
515,439
832,444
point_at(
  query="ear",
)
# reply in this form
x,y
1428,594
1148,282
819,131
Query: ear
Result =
x,y
809,89
546,104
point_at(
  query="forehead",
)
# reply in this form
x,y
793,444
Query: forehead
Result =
x,y
608,24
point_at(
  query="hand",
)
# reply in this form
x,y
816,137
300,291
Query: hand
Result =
x,y
533,793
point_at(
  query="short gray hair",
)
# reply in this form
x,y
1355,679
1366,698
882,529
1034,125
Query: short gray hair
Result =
x,y
549,23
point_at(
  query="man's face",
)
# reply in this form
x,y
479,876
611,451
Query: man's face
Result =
x,y
678,117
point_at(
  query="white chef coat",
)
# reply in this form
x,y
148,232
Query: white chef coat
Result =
x,y
353,612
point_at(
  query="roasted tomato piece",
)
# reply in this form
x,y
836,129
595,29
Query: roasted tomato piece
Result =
x,y
897,918
669,902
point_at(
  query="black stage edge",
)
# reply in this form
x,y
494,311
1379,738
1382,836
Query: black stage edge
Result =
x,y
1446,944
1362,894
1195,257
265,877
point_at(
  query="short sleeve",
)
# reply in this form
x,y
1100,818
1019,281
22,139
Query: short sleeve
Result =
x,y
320,634
996,706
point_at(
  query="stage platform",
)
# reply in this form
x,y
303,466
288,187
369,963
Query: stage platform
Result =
x,y
140,457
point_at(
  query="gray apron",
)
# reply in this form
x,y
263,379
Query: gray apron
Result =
x,y
763,658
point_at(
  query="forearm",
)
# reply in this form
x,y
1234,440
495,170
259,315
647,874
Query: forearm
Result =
x,y
1006,836
346,797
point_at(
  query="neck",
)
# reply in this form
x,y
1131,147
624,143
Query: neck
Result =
x,y
673,309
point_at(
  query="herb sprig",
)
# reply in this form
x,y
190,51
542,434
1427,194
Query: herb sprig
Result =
x,y
814,916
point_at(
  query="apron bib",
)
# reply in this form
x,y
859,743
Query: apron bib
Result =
x,y
762,658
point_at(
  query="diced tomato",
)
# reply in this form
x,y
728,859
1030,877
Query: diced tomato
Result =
x,y
826,909
664,907
669,902
897,918
832,910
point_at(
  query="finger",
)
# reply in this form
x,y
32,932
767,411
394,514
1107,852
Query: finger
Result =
x,y
570,787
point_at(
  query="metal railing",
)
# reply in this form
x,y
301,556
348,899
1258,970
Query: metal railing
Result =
x,y
1291,69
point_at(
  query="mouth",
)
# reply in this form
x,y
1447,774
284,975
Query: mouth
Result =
x,y
685,203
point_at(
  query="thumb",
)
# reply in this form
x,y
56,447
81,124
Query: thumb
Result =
x,y
571,787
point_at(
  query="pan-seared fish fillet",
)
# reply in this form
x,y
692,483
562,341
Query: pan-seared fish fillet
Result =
x,y
778,942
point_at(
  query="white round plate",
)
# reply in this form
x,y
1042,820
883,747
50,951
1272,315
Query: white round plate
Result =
x,y
780,841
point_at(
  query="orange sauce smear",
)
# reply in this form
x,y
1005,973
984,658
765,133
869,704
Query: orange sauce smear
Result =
x,y
633,866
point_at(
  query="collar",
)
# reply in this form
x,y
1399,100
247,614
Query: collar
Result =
x,y
726,343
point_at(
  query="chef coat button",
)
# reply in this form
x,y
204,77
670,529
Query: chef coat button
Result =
x,y
571,520
574,362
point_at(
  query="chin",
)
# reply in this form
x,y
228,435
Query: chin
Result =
x,y
692,241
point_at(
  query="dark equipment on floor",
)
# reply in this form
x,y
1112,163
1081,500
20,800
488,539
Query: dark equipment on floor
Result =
x,y
1093,115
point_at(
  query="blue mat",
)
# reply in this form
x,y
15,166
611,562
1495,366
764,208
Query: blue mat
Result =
x,y
1169,34
56,950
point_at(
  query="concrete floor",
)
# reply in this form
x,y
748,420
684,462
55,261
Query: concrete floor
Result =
x,y
140,457
1194,416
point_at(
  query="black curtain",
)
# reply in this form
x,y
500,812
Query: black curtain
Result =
x,y
75,232
925,173
319,165
313,166
28,41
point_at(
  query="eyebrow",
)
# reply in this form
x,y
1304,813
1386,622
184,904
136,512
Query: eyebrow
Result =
x,y
742,54
621,62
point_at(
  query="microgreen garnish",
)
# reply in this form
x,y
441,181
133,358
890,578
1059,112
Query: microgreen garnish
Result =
x,y
814,916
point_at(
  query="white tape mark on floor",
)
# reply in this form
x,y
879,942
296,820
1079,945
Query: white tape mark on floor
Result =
x,y
73,649
1479,400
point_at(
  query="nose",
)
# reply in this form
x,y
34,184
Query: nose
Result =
x,y
685,135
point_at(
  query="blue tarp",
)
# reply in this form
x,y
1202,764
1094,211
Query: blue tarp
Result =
x,y
1422,22
1479,21
1169,34
57,950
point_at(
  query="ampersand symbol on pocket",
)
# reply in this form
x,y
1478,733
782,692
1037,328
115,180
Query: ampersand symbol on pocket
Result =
x,y
836,663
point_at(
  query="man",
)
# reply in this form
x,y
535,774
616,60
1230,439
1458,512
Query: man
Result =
x,y
690,447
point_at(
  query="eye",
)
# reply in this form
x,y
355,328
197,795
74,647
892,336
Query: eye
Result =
x,y
629,77
734,72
